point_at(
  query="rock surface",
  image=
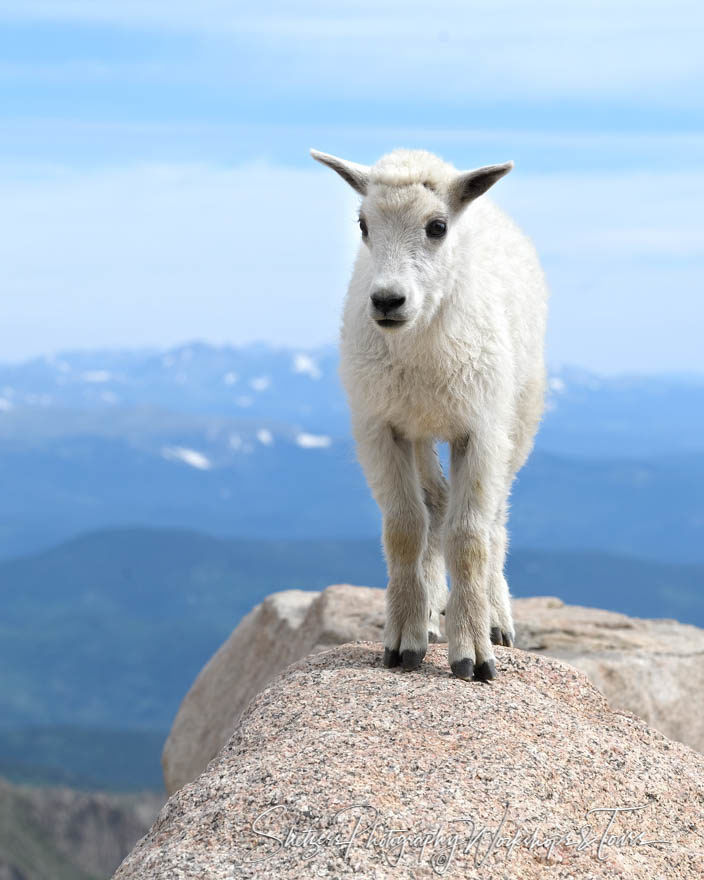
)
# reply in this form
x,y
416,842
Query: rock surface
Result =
x,y
654,668
266,641
337,739
284,627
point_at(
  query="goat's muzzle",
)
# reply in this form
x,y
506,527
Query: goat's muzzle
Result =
x,y
386,308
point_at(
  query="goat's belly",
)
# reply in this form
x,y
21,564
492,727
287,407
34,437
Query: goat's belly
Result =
x,y
426,422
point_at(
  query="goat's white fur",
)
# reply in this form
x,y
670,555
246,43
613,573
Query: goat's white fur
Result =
x,y
466,367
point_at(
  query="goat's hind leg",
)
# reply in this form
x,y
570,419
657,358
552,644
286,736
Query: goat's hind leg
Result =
x,y
388,461
502,629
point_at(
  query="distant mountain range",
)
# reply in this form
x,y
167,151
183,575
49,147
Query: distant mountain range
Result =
x,y
246,384
55,834
268,388
64,473
83,757
223,439
110,629
150,499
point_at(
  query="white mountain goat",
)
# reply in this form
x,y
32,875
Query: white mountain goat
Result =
x,y
442,339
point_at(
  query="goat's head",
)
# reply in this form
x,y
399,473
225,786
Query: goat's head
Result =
x,y
411,204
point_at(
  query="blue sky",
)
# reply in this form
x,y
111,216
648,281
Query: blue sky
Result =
x,y
155,184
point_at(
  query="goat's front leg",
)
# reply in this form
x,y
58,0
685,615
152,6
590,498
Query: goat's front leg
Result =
x,y
476,478
388,461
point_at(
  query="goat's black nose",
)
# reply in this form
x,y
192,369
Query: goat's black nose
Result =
x,y
386,301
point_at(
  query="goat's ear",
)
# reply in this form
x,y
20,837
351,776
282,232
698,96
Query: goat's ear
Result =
x,y
356,175
469,185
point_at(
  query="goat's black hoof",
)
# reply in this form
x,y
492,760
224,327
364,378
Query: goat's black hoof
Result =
x,y
463,668
433,637
391,658
501,637
485,671
411,659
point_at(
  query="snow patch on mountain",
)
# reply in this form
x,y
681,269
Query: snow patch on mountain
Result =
x,y
188,456
313,441
304,363
260,383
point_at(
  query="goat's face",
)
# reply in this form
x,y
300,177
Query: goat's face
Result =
x,y
408,231
408,218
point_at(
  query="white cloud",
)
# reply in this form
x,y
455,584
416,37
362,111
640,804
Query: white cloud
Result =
x,y
150,255
624,255
610,214
96,376
410,48
153,254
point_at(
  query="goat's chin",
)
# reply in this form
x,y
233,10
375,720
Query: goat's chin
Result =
x,y
389,325
393,326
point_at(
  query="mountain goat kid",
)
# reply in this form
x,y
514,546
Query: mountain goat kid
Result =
x,y
442,339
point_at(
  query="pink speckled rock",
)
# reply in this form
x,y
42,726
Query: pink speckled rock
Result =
x,y
343,768
654,668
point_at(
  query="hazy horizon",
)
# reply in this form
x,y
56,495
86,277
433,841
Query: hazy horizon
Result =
x,y
112,350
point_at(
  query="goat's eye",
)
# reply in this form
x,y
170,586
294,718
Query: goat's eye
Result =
x,y
363,227
436,229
